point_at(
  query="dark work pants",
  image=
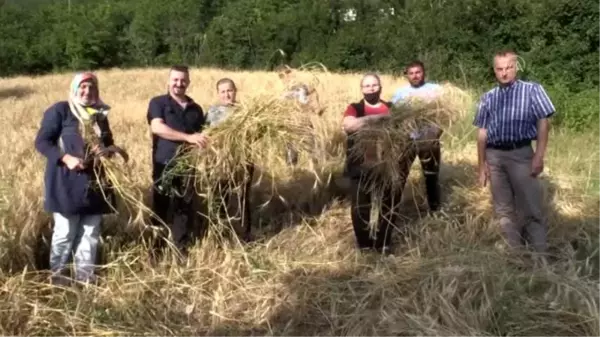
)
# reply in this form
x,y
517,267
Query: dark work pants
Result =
x,y
361,211
429,153
177,211
225,191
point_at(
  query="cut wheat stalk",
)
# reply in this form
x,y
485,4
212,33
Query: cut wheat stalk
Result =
x,y
385,145
257,132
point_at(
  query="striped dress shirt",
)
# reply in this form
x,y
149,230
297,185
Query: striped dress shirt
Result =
x,y
510,113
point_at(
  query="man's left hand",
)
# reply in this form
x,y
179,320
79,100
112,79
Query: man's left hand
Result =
x,y
537,165
198,139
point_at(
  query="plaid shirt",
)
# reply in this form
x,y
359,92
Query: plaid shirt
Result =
x,y
510,114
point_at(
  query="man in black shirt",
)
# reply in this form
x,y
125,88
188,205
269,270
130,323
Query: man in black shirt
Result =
x,y
175,119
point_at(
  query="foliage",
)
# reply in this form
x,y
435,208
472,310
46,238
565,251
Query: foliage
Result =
x,y
456,39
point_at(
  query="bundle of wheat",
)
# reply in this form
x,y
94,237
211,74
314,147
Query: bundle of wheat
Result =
x,y
111,177
114,179
385,145
256,132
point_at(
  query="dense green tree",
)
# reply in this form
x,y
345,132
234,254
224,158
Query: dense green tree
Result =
x,y
558,43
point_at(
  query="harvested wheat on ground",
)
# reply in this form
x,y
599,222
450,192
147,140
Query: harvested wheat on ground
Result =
x,y
451,275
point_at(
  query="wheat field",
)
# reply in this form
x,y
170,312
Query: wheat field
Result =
x,y
451,275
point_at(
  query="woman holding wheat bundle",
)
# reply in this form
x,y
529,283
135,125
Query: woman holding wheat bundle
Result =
x,y
73,191
358,115
227,92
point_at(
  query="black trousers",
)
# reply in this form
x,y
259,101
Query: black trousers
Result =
x,y
429,153
177,211
361,213
224,189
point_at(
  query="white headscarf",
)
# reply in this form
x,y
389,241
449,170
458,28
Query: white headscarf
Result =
x,y
81,111
84,112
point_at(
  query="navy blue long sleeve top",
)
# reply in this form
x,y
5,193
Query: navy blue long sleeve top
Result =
x,y
69,192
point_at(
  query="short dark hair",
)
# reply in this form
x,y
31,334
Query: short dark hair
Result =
x,y
505,51
226,80
180,68
415,63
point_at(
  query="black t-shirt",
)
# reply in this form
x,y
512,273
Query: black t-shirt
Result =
x,y
188,120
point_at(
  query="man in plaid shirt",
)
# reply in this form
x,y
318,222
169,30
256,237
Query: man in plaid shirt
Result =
x,y
509,117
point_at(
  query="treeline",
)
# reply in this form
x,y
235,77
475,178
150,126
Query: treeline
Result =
x,y
558,39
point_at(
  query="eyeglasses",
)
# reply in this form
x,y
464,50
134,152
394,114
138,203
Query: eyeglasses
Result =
x,y
371,86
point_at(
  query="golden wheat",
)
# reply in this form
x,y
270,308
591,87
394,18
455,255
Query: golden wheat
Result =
x,y
451,275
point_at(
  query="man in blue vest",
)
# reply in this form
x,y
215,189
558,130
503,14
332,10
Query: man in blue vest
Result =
x,y
427,145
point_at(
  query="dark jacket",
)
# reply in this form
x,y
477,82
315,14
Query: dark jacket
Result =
x,y
69,191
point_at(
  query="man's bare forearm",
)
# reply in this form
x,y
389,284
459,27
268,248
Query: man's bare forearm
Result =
x,y
481,143
543,126
163,131
352,124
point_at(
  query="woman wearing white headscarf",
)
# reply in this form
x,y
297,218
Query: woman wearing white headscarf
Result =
x,y
71,131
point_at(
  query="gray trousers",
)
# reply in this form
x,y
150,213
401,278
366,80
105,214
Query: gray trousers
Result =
x,y
517,197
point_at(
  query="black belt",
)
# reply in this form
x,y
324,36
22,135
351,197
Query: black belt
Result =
x,y
509,146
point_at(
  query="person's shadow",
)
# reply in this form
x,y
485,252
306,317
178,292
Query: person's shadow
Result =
x,y
276,205
573,233
410,294
15,92
572,230
120,231
279,204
